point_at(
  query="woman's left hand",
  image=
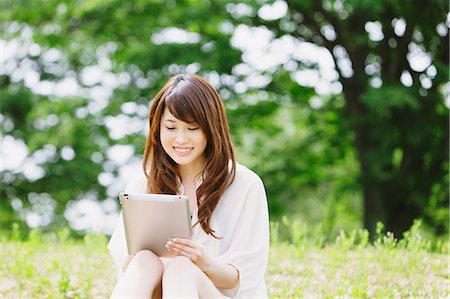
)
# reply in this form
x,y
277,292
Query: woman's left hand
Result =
x,y
190,249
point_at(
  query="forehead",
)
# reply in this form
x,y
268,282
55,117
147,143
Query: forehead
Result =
x,y
168,116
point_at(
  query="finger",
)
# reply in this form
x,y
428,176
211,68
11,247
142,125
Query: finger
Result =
x,y
184,241
181,247
172,249
181,252
189,243
172,243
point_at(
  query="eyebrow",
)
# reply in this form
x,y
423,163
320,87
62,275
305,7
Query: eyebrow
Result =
x,y
169,120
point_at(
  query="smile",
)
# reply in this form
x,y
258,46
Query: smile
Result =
x,y
183,150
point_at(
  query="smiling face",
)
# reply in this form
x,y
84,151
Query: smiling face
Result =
x,y
184,142
189,135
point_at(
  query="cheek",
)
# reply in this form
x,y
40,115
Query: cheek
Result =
x,y
165,139
201,140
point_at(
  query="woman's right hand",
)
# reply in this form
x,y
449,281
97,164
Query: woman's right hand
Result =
x,y
192,250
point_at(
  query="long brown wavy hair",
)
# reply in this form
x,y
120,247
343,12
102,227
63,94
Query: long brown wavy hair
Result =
x,y
191,99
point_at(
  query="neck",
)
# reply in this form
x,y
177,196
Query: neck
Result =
x,y
189,173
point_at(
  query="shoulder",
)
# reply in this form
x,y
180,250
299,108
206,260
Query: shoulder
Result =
x,y
137,184
246,176
247,188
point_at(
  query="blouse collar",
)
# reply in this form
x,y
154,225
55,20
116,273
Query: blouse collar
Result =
x,y
198,181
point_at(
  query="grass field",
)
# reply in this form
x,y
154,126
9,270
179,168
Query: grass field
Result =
x,y
55,266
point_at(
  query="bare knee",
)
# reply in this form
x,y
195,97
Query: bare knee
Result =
x,y
181,263
183,278
180,267
145,259
141,278
180,279
145,255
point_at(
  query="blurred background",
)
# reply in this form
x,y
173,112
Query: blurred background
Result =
x,y
341,106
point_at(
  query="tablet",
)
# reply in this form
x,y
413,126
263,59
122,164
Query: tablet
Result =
x,y
150,220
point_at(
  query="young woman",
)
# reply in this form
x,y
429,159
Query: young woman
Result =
x,y
189,151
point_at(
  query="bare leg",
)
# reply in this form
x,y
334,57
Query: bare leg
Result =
x,y
183,279
141,278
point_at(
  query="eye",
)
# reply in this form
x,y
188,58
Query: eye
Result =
x,y
192,129
170,128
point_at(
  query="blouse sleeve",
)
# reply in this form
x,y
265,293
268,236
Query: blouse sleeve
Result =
x,y
249,247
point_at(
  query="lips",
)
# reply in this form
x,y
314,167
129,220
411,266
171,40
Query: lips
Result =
x,y
183,150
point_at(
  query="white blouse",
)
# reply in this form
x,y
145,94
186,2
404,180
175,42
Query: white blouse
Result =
x,y
241,220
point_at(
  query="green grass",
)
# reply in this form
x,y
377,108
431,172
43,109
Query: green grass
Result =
x,y
47,267
359,273
301,266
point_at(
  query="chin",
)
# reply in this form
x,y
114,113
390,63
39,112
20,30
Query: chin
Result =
x,y
182,161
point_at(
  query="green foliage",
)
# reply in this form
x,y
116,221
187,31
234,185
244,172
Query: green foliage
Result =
x,y
63,234
307,151
386,117
300,235
356,239
371,146
296,233
413,239
15,236
383,101
87,34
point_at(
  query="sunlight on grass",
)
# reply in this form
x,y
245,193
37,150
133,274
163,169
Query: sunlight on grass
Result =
x,y
301,265
45,267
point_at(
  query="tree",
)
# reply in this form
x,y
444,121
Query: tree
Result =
x,y
104,49
122,49
394,109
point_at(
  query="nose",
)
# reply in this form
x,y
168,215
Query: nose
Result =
x,y
181,136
